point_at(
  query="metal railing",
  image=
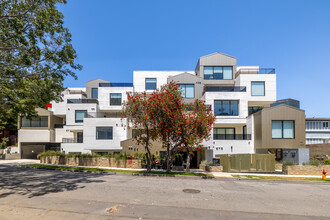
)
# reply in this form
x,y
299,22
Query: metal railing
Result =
x,y
58,125
225,89
257,71
231,136
115,84
103,115
72,140
75,101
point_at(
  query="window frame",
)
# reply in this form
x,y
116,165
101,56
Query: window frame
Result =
x,y
258,82
97,93
185,90
222,71
229,107
282,130
146,88
75,116
96,132
325,123
234,138
121,99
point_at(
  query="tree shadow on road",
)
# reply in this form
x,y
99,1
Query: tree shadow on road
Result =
x,y
36,182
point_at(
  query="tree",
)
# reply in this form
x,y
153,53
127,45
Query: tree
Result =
x,y
137,112
196,128
36,55
167,107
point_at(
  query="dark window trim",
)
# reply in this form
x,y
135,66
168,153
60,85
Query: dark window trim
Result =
x,y
225,133
146,83
121,99
75,116
264,88
325,123
294,129
232,72
96,136
229,107
185,84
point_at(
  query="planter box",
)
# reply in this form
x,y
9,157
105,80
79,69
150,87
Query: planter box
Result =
x,y
305,170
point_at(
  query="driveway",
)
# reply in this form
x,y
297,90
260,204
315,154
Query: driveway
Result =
x,y
50,194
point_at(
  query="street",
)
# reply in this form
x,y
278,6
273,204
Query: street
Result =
x,y
48,194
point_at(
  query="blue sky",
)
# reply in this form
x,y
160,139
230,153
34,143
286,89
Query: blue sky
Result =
x,y
113,38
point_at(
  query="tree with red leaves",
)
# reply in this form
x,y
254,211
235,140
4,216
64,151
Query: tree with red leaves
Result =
x,y
137,112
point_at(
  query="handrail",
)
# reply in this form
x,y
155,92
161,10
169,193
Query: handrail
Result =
x,y
115,84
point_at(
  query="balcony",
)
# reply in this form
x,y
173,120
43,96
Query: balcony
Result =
x,y
115,84
225,89
256,71
79,101
103,115
72,140
58,125
232,137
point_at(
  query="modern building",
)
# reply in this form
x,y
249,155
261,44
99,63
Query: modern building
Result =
x,y
88,120
317,130
291,102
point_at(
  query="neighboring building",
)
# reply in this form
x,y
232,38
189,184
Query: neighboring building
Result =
x,y
291,102
317,130
89,118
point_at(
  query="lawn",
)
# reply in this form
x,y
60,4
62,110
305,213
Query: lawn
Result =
x,y
40,166
281,178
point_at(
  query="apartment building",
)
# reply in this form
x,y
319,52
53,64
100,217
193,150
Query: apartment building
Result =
x,y
88,120
317,130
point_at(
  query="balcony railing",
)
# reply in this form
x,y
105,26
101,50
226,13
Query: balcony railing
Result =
x,y
115,84
256,71
58,125
232,137
75,101
225,89
72,140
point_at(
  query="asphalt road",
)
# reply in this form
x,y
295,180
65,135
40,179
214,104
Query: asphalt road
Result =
x,y
45,194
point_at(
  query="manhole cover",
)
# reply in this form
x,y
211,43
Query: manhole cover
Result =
x,y
191,191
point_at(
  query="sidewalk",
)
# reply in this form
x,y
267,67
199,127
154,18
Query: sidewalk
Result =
x,y
224,174
20,161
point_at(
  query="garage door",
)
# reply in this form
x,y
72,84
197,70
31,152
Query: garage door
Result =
x,y
30,151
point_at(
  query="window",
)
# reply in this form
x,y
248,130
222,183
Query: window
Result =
x,y
135,132
258,88
254,109
188,91
283,129
325,124
218,72
224,133
151,83
94,93
115,98
41,122
80,115
103,133
226,107
80,137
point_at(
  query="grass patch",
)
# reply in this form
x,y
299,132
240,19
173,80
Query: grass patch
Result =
x,y
281,178
115,170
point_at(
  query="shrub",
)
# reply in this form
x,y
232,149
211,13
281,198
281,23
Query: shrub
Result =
x,y
289,163
178,161
51,153
327,161
313,162
206,163
3,144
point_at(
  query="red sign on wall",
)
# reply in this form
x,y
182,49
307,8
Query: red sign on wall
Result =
x,y
49,105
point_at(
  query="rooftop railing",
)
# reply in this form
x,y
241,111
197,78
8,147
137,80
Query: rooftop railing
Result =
x,y
225,89
115,84
232,137
256,71
75,101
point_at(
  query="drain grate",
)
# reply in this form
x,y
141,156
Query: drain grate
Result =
x,y
194,191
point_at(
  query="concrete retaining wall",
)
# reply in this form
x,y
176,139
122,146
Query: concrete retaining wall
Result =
x,y
305,170
211,168
94,161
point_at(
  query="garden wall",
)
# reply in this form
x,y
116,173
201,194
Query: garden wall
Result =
x,y
92,161
305,170
210,168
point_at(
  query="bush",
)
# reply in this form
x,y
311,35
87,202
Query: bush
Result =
x,y
327,161
3,144
51,153
314,162
178,161
289,163
205,163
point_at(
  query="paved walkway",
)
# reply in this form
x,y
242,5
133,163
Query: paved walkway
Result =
x,y
20,161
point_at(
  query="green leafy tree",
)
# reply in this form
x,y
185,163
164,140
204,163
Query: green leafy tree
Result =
x,y
36,55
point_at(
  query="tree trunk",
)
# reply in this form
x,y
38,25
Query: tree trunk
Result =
x,y
169,160
148,160
188,162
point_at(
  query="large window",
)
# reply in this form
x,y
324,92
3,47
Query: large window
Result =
x,y
103,133
41,122
258,88
151,83
94,93
218,72
226,107
254,109
283,129
115,98
223,133
188,90
80,115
